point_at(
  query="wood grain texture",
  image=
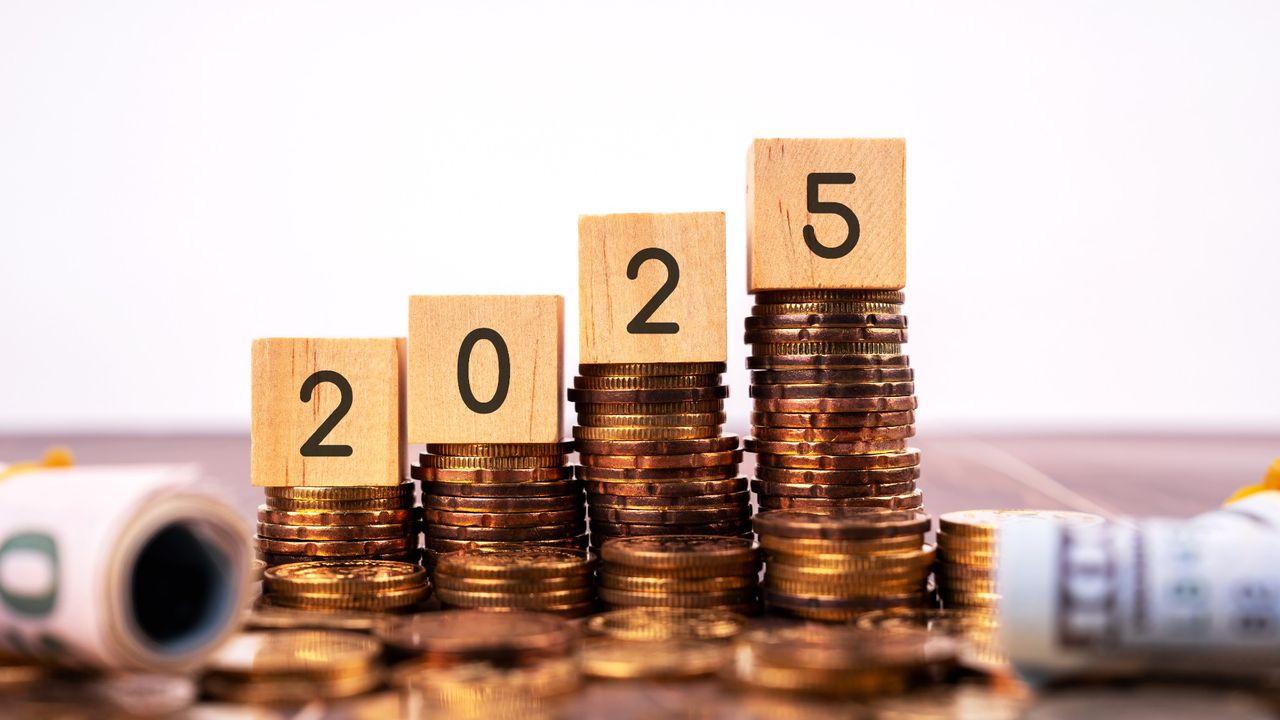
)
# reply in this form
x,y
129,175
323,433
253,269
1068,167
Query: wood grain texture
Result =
x,y
531,327
282,422
609,300
777,213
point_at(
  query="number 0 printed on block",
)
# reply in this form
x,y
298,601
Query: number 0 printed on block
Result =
x,y
485,368
327,411
826,214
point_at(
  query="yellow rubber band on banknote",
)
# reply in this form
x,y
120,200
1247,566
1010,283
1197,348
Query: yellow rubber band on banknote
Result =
x,y
1270,481
54,457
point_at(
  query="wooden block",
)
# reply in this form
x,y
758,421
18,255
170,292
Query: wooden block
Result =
x,y
485,368
651,288
826,214
327,412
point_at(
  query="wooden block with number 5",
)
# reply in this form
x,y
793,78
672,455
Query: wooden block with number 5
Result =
x,y
327,411
651,288
485,368
826,214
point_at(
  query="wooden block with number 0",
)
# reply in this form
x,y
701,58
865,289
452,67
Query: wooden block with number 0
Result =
x,y
826,214
485,368
327,411
652,288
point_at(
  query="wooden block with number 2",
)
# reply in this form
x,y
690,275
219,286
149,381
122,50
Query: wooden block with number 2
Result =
x,y
327,411
826,214
652,288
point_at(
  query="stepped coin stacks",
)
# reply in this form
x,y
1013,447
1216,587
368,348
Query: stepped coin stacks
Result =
x,y
352,523
680,571
544,579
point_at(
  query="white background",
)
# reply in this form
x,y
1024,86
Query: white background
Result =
x,y
1092,186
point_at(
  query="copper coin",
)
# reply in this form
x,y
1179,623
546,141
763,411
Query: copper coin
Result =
x,y
827,390
836,405
718,392
658,447
460,581
678,551
908,458
480,462
880,476
500,449
826,335
829,307
707,459
683,368
502,504
825,448
507,534
631,598
445,545
501,519
850,524
737,499
660,490
603,474
765,297
638,421
645,434
334,517
812,602
331,532
644,382
669,516
527,565
825,320
273,559
845,420
478,475
836,435
834,492
341,493
503,490
459,636
637,529
649,408
842,377
287,505
641,583
821,347
910,500
815,361
338,548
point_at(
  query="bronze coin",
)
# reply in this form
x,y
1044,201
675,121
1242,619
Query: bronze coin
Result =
x,y
507,534
908,458
840,377
287,505
500,449
814,602
825,320
845,524
834,492
334,517
649,408
502,519
874,476
669,516
836,405
631,598
445,545
639,421
825,448
846,420
502,504
683,368
832,435
718,392
822,347
766,297
341,493
647,462
644,382
737,499
665,585
826,335
645,434
479,475
600,527
909,500
332,532
338,548
274,559
502,489
658,447
480,462
678,551
458,579
668,490
602,474
815,361
830,307
828,390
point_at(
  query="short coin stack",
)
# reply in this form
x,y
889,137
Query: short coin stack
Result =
x,y
966,570
347,585
652,454
836,565
833,400
531,578
489,495
293,666
360,522
680,571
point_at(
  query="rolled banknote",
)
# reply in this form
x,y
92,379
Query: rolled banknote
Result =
x,y
118,566
1180,596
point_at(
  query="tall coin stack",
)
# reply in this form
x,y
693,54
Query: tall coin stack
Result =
x,y
680,571
833,400
492,495
651,452
348,523
544,579
837,564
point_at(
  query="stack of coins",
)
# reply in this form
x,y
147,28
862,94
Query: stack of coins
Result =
x,y
531,578
293,666
652,454
351,523
839,564
833,400
680,571
489,495
347,585
966,571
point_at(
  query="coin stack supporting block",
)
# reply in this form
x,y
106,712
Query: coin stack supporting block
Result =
x,y
839,564
339,523
543,579
680,571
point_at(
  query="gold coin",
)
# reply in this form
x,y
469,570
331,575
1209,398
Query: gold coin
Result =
x,y
845,588
286,690
644,382
824,448
500,449
672,395
678,475
678,551
472,504
638,421
296,653
967,543
343,576
341,493
655,462
750,568
843,420
845,524
661,491
332,532
801,496
523,563
826,348
646,434
845,334
951,584
985,523
880,461
676,585
969,598
758,321
819,435
650,407
524,600
652,660
562,531
819,361
630,598
479,690
501,519
510,585
678,515
826,307
382,600
454,636
576,543
899,403
659,447
810,476
686,368
472,476
821,567
765,297
478,462
966,558
483,489
334,517
603,529
644,623
809,546
908,500
720,500
335,548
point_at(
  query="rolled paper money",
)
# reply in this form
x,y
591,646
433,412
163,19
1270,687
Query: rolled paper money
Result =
x,y
120,566
1197,596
